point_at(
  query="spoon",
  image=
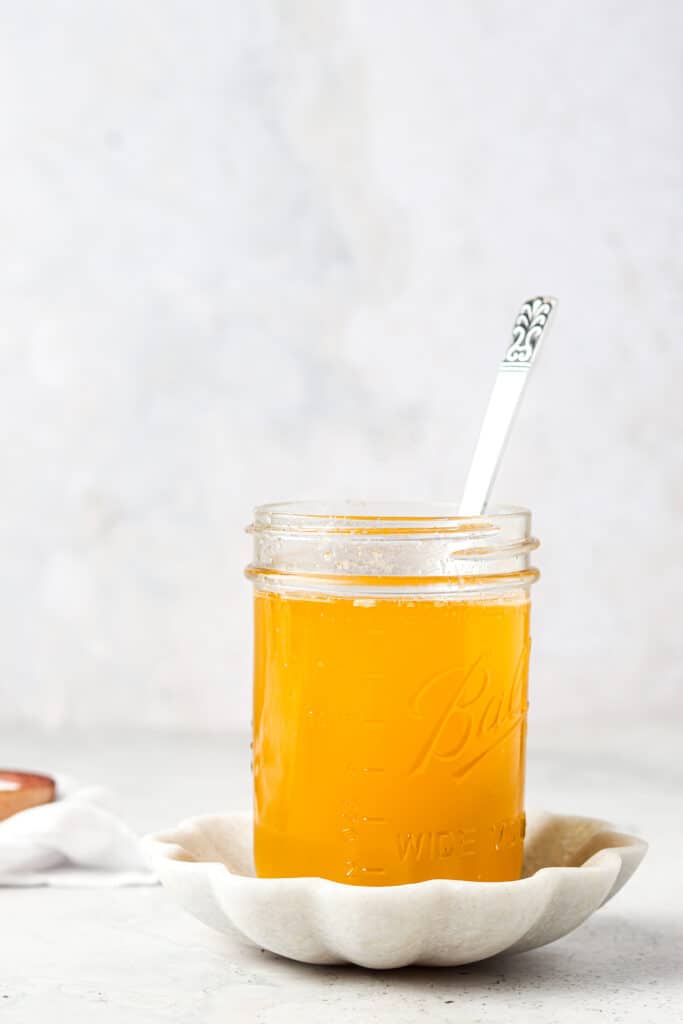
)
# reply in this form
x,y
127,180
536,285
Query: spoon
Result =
x,y
529,329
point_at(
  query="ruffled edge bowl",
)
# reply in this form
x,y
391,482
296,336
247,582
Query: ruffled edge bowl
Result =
x,y
572,866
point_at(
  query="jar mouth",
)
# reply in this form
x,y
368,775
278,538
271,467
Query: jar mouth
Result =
x,y
412,548
382,517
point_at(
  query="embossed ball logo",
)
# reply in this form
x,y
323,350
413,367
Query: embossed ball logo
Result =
x,y
469,714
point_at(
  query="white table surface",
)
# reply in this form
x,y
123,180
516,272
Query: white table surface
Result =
x,y
131,956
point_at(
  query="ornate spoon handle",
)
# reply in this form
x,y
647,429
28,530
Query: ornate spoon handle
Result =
x,y
529,330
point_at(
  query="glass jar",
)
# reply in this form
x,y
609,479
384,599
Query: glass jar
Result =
x,y
391,650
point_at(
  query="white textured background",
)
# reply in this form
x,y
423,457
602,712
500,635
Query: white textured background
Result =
x,y
265,250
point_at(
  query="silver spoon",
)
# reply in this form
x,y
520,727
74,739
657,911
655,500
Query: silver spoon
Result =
x,y
529,330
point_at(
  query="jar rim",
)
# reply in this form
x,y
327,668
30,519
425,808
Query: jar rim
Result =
x,y
377,517
418,548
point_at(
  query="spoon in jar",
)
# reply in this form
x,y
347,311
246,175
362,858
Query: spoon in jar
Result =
x,y
529,330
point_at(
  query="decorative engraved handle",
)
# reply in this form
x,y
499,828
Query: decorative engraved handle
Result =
x,y
528,331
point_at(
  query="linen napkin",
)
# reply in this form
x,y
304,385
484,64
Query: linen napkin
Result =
x,y
76,841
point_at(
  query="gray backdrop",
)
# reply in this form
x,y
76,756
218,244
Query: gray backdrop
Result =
x,y
267,250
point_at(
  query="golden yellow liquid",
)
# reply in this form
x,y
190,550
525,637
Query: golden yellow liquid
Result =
x,y
389,738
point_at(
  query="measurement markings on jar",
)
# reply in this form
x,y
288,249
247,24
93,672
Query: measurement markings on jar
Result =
x,y
353,870
361,827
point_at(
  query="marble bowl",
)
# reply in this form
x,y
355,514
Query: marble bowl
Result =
x,y
572,866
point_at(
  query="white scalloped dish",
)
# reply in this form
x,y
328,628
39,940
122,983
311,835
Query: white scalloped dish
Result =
x,y
572,866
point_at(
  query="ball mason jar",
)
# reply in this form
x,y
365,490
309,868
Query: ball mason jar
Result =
x,y
391,650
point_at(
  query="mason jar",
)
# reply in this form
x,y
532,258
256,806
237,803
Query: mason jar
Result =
x,y
391,651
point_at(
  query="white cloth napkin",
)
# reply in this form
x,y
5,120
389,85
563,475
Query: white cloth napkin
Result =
x,y
76,841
